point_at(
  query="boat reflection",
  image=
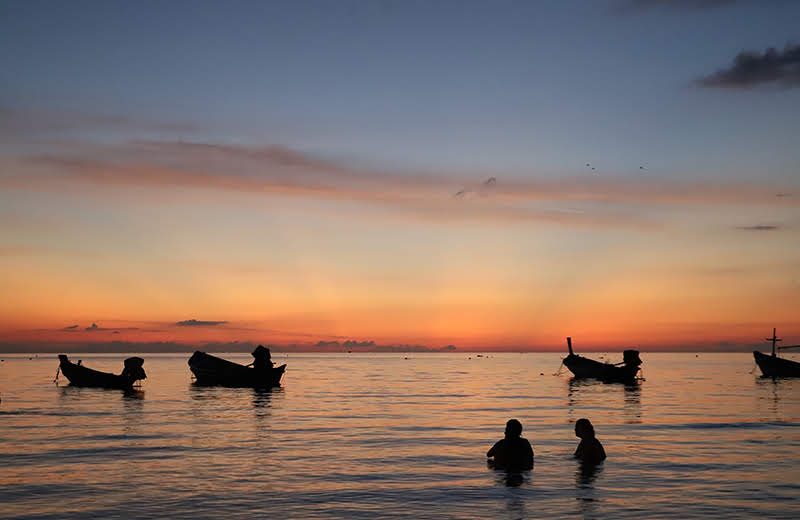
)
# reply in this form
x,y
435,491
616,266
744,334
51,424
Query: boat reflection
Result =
x,y
133,411
588,393
70,392
259,398
770,395
262,397
133,394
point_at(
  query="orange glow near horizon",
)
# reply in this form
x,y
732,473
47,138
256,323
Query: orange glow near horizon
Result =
x,y
414,267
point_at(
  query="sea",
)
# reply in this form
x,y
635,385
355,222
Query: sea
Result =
x,y
400,435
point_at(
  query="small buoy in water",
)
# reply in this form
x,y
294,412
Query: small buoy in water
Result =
x,y
541,373
405,358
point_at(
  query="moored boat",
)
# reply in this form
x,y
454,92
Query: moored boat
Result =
x,y
211,370
774,366
79,375
624,372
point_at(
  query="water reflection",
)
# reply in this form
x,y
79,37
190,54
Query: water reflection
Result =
x,y
509,478
70,392
585,492
586,474
262,397
209,398
133,394
515,508
771,393
133,411
263,401
589,393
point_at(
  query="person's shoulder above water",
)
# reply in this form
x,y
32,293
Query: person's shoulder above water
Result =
x,y
513,451
590,450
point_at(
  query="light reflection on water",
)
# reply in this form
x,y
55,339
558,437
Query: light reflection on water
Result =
x,y
367,436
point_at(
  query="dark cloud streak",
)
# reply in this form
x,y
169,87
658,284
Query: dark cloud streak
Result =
x,y
634,5
199,323
94,328
759,227
751,69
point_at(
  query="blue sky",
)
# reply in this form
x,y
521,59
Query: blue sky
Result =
x,y
511,86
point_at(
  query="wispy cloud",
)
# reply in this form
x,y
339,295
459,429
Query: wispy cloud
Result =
x,y
199,323
753,69
281,172
33,123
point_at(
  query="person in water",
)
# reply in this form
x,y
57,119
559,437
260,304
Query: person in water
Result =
x,y
589,451
512,452
263,359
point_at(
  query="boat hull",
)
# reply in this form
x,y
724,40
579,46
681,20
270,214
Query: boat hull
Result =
x,y
773,366
585,368
213,371
79,375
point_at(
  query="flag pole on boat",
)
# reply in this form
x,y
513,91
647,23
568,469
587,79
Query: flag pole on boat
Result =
x,y
773,339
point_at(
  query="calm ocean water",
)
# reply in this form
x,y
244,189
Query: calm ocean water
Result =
x,y
381,436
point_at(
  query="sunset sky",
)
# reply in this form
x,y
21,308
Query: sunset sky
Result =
x,y
478,174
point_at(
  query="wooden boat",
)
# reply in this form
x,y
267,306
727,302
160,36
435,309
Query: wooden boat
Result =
x,y
624,372
773,366
79,375
211,370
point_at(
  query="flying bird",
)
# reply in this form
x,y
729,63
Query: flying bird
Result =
x,y
481,190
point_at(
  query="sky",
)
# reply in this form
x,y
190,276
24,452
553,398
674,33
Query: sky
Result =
x,y
484,175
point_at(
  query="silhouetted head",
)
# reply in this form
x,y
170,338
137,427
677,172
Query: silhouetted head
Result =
x,y
261,351
513,428
584,429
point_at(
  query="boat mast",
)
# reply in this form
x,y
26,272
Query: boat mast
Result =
x,y
569,345
773,339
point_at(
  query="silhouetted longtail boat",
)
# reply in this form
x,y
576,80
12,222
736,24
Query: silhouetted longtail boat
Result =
x,y
211,370
773,366
623,372
79,375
